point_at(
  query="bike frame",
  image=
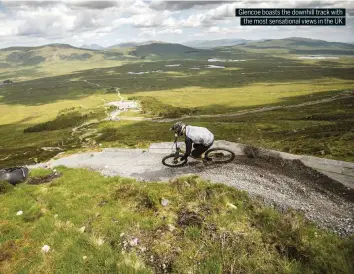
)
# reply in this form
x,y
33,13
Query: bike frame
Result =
x,y
178,149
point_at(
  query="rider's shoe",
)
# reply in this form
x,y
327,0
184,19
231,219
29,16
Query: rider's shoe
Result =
x,y
207,159
201,157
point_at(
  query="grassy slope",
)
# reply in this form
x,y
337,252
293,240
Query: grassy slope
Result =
x,y
22,147
205,228
156,51
223,100
324,130
296,45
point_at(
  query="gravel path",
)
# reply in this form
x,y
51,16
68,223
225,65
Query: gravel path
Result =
x,y
282,183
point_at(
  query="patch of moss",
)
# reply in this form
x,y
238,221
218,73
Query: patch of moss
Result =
x,y
5,187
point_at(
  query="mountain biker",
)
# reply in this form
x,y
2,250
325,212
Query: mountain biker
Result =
x,y
200,137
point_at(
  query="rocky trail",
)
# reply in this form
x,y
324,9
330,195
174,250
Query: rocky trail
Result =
x,y
280,181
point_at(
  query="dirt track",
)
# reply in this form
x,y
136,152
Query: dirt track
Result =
x,y
282,183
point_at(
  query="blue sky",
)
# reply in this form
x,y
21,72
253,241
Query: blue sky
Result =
x,y
33,23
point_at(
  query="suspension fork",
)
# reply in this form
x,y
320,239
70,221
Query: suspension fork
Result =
x,y
177,148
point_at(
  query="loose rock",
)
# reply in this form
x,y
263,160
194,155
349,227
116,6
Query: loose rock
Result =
x,y
45,249
164,202
134,242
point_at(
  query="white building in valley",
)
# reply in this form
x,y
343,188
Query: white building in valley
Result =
x,y
124,105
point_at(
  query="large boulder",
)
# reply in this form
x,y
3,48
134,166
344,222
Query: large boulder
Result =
x,y
14,175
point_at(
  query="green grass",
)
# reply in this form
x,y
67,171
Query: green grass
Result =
x,y
40,172
132,134
5,187
66,120
197,231
22,143
152,106
197,100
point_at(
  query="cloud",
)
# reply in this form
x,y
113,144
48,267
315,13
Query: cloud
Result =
x,y
210,17
86,20
68,3
221,30
181,5
226,11
93,4
147,20
54,18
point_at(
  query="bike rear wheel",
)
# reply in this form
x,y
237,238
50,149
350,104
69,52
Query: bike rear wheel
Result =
x,y
220,155
171,161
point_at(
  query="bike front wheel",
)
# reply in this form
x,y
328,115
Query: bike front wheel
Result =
x,y
172,161
220,155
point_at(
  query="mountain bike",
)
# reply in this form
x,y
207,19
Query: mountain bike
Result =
x,y
212,155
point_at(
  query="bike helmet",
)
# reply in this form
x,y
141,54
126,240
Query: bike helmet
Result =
x,y
178,128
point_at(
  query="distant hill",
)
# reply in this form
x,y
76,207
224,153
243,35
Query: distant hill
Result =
x,y
29,56
298,45
165,51
92,47
21,63
208,44
133,44
61,46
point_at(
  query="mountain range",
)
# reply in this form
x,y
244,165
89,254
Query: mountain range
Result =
x,y
63,58
291,42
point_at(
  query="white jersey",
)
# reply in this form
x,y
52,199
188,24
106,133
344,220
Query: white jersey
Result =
x,y
200,135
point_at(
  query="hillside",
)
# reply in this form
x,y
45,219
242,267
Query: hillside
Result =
x,y
208,44
92,47
168,51
22,63
296,45
133,44
78,221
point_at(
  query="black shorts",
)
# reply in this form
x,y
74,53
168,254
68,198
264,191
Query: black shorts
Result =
x,y
199,149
